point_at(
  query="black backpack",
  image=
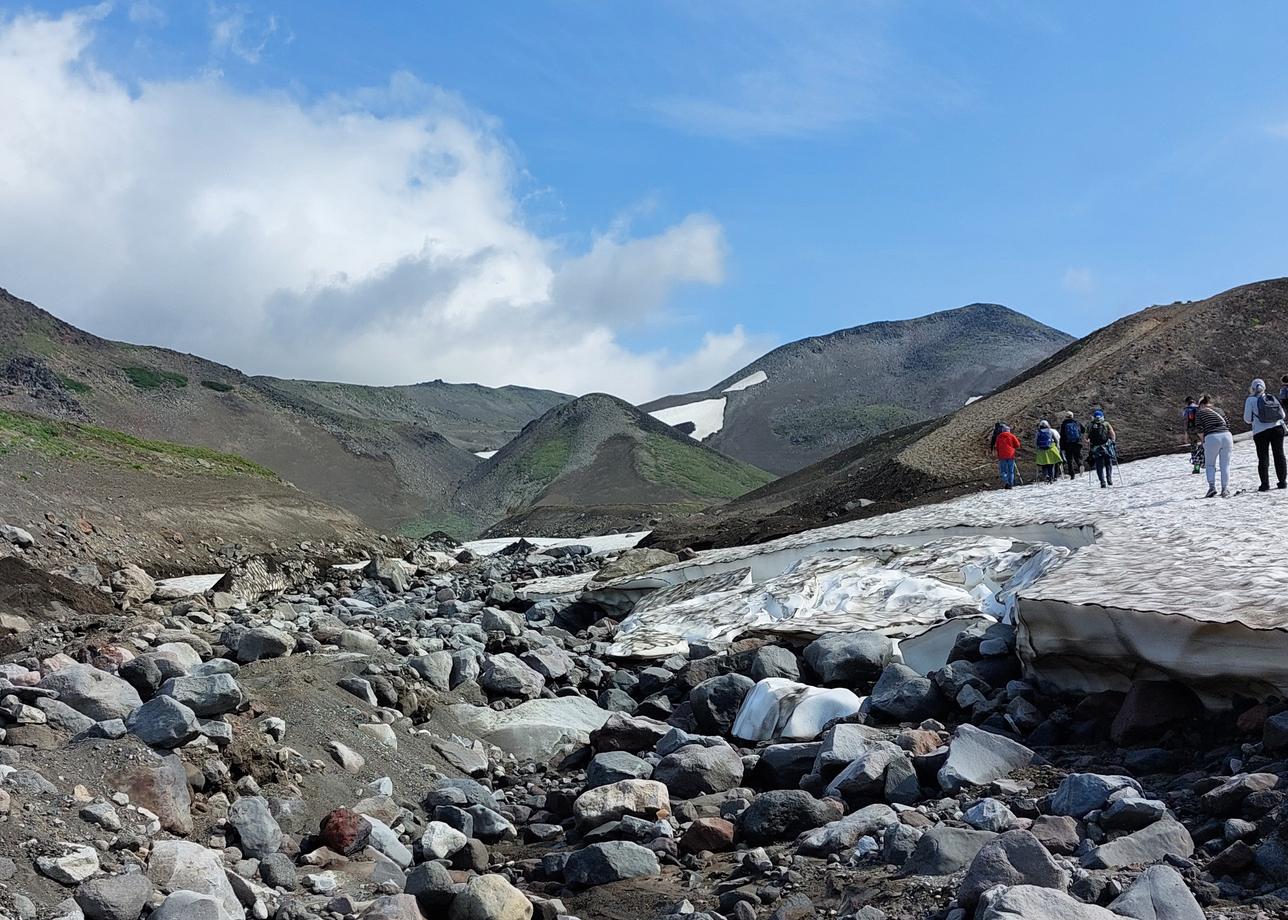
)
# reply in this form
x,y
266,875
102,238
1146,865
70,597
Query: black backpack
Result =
x,y
1269,409
1098,433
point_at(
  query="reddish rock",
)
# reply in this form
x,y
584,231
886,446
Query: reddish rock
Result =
x,y
713,834
1251,721
1151,708
159,784
345,831
919,741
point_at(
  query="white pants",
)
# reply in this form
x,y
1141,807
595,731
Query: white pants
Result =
x,y
1216,447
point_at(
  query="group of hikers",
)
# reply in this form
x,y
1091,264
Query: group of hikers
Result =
x,y
1060,448
1210,438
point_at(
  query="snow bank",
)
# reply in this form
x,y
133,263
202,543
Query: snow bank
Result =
x,y
749,381
613,542
707,416
486,454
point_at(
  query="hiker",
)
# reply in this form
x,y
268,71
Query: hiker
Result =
x,y
1266,415
1071,445
1189,415
998,428
1218,445
1048,452
1005,444
1283,390
1104,447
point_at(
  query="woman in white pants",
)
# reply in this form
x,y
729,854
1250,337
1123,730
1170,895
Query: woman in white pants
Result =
x,y
1218,445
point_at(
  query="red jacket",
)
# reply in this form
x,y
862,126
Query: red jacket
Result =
x,y
1007,445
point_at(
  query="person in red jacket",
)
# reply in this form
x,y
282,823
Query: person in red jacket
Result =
x,y
1005,447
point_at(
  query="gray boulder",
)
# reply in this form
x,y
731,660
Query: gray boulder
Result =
x,y
698,770
1079,794
977,757
783,813
551,663
849,659
209,695
943,850
264,642
93,693
489,897
1015,858
163,722
903,695
114,897
506,675
258,834
836,836
612,861
773,661
716,702
1167,837
612,766
1029,902
435,669
1159,893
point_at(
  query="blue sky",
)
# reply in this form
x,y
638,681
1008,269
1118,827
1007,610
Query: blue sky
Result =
x,y
747,172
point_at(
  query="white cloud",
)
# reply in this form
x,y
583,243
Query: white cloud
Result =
x,y
234,31
332,240
1079,280
147,13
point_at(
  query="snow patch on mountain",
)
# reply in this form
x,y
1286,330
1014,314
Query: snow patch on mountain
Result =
x,y
707,416
749,381
486,454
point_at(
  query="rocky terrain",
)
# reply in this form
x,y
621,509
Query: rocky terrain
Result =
x,y
597,464
1139,369
440,734
389,455
808,399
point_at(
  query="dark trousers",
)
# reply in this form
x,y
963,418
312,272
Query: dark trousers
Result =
x,y
1104,466
1270,441
1072,458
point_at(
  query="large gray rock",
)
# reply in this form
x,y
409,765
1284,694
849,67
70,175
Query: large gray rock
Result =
x,y
1159,893
1167,837
68,863
189,905
864,778
432,886
59,715
1079,794
698,770
133,584
836,836
506,675
395,574
163,722
783,813
849,659
258,834
92,692
716,701
209,695
614,766
977,757
1028,902
435,669
613,861
551,663
772,661
264,642
943,850
903,695
490,897
114,897
633,562
178,865
641,798
1015,858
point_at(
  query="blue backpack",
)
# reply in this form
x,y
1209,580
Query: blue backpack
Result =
x,y
1046,437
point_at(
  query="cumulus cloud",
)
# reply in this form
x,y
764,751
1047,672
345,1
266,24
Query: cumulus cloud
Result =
x,y
374,238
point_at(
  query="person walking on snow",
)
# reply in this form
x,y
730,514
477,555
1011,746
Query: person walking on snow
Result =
x,y
1071,444
1104,448
1048,452
1189,415
1218,445
1005,444
1266,415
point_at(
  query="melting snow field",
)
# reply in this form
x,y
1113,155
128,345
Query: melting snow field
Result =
x,y
749,381
486,454
707,416
613,542
1144,579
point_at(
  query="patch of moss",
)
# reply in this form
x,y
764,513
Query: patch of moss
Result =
x,y
148,378
547,461
76,386
89,442
449,522
218,386
702,473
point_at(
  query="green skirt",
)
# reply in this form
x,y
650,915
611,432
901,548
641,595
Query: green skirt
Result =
x,y
1049,457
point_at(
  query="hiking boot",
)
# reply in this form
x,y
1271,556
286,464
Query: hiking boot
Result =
x,y
1198,469
1263,488
1211,493
1225,493
1282,485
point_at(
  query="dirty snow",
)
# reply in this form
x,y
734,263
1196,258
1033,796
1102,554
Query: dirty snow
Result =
x,y
707,416
749,381
971,399
609,543
1147,578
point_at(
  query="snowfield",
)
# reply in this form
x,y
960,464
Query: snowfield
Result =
x,y
614,542
707,416
486,454
749,381
1144,579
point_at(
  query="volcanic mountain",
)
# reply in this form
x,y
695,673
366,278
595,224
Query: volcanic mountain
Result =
x,y
598,463
808,399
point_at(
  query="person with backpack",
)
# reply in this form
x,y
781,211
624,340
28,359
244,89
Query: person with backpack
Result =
x,y
998,428
1283,390
1005,444
1071,445
1218,445
1189,415
1048,452
1266,415
1104,447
